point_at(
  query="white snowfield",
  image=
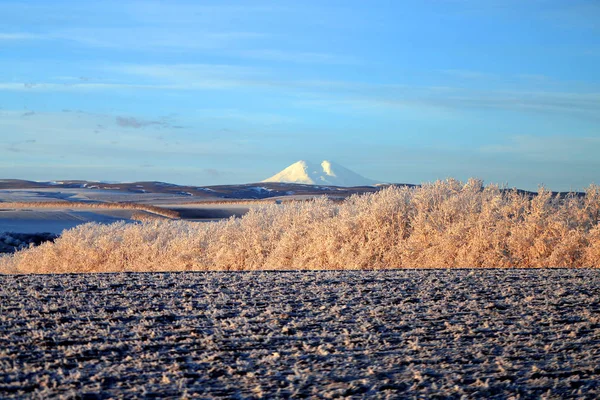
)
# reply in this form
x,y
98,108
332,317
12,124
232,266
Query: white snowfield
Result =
x,y
326,173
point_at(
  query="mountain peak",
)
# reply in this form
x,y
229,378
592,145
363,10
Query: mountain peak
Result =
x,y
325,173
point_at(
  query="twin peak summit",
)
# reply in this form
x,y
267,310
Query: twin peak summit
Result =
x,y
326,173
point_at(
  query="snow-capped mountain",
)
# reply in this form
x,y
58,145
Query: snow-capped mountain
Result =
x,y
326,173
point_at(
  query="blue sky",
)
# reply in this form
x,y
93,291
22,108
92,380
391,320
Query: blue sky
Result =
x,y
201,93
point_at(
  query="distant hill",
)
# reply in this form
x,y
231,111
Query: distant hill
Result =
x,y
261,190
186,193
325,173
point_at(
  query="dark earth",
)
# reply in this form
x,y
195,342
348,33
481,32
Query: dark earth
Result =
x,y
369,334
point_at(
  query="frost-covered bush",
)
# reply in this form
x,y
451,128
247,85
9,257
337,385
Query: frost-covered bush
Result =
x,y
446,224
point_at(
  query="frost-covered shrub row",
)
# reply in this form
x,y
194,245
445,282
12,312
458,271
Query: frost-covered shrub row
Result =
x,y
446,224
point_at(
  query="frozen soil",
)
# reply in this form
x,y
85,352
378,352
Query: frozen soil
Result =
x,y
406,333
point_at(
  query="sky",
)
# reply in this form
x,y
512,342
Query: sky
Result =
x,y
223,92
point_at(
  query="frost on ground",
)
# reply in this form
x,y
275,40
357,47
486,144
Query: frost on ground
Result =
x,y
422,333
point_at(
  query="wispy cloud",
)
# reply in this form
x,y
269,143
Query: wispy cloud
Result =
x,y
467,74
574,14
142,39
191,76
297,56
67,87
174,38
381,97
133,122
534,77
259,118
124,138
571,103
558,148
19,36
214,173
193,85
158,12
224,77
20,146
173,71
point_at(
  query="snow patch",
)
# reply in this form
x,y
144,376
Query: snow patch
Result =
x,y
260,189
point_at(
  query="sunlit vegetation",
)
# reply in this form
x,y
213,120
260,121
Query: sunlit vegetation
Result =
x,y
446,224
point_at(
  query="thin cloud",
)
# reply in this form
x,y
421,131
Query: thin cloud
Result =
x,y
199,77
467,74
187,73
54,131
213,173
575,14
559,148
20,36
298,57
389,97
136,123
192,13
20,146
583,104
572,103
189,77
82,87
245,116
131,122
534,77
144,39
151,39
